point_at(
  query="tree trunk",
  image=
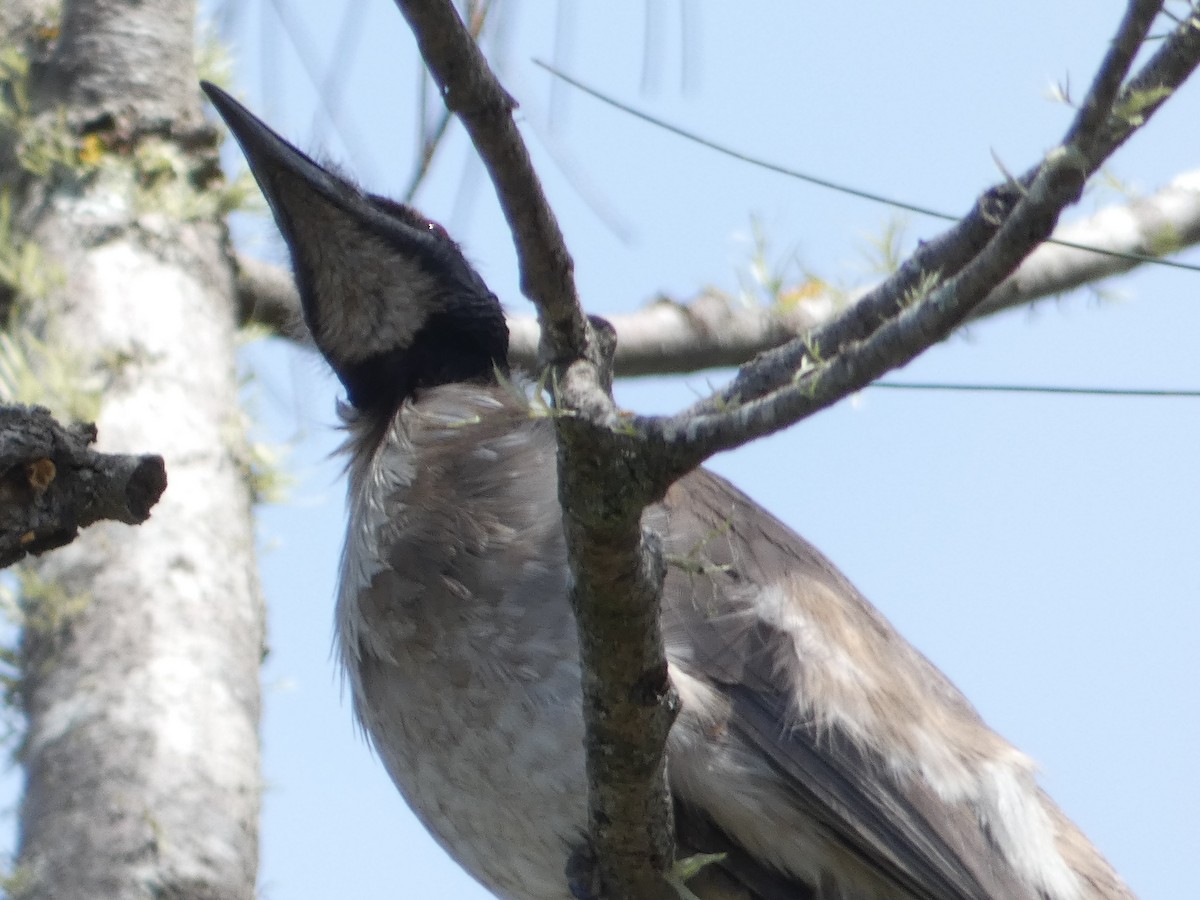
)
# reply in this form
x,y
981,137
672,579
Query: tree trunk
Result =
x,y
141,646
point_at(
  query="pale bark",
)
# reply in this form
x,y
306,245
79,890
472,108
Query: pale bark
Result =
x,y
716,329
142,755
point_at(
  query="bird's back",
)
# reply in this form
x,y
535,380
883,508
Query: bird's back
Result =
x,y
860,767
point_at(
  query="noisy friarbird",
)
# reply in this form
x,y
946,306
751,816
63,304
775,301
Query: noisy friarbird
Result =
x,y
818,751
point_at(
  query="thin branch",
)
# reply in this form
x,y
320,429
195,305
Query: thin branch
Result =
x,y
307,53
471,90
52,483
337,73
946,255
1155,82
1102,95
1167,221
693,437
431,140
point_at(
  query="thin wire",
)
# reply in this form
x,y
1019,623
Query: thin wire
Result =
x,y
306,52
1035,389
564,39
345,51
742,157
826,183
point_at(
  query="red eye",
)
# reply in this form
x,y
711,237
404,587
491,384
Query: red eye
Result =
x,y
438,230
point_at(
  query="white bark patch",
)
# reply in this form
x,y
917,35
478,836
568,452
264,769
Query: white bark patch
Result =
x,y
144,727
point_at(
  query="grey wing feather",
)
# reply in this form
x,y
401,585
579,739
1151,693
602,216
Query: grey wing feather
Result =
x,y
867,812
872,816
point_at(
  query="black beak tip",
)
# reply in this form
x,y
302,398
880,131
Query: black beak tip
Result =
x,y
263,148
229,109
271,157
216,96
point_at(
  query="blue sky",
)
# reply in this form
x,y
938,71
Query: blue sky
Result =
x,y
1042,550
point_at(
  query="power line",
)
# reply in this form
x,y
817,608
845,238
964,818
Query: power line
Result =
x,y
826,183
1035,389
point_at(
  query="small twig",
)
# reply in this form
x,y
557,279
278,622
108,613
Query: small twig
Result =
x,y
307,53
1102,95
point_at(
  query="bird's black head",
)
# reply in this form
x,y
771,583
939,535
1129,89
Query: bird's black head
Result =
x,y
390,300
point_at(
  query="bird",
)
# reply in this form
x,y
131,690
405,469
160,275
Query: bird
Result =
x,y
815,751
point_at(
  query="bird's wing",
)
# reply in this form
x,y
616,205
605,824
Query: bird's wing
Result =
x,y
812,736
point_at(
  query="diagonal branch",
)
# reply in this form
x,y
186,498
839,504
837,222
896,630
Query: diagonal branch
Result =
x,y
926,321
947,254
1085,131
471,91
845,355
1167,221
